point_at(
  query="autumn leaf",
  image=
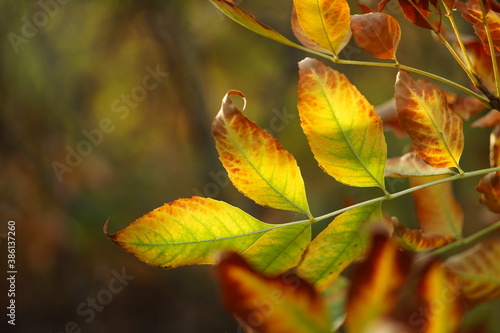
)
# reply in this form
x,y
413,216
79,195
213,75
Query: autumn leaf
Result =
x,y
344,240
465,106
345,134
241,17
417,12
376,284
282,304
477,271
440,303
490,119
302,37
411,165
472,12
188,231
437,210
256,163
435,130
335,296
489,187
377,33
418,240
325,22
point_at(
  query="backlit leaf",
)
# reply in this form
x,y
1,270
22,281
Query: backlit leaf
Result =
x,y
325,22
375,284
302,37
437,210
464,106
477,271
435,130
335,296
188,231
256,163
250,22
411,165
344,240
377,33
471,11
417,12
417,240
489,187
440,303
483,66
490,119
281,304
345,134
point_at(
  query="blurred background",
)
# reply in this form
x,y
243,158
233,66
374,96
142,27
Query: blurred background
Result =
x,y
105,112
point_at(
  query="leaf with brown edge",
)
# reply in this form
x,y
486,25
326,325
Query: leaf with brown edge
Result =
x,y
410,165
231,10
344,132
257,164
477,271
302,37
471,11
489,187
417,240
376,284
377,33
436,286
435,130
282,304
325,22
190,231
490,119
344,240
437,210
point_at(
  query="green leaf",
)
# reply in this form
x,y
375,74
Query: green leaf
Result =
x,y
344,132
256,163
344,240
189,231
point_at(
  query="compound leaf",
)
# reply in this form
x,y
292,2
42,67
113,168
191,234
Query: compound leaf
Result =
x,y
256,163
188,231
281,304
344,240
344,132
435,130
325,22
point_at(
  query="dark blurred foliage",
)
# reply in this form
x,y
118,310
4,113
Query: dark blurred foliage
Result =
x,y
67,69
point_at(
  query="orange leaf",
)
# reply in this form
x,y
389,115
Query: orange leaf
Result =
x,y
417,12
489,187
435,130
325,22
471,11
491,119
417,240
411,165
482,63
465,107
256,163
302,37
437,210
477,271
376,284
439,300
377,33
281,304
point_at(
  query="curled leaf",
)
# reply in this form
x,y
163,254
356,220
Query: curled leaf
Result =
x,y
418,240
489,187
477,271
189,231
256,163
282,304
325,22
411,165
377,33
345,134
435,130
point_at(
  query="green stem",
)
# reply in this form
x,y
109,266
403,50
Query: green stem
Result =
x,y
407,191
464,241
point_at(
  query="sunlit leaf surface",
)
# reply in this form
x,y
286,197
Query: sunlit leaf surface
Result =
x,y
412,165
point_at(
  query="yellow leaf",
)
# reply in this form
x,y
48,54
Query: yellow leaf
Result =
x,y
301,35
256,163
325,22
375,284
281,304
344,240
418,240
435,130
189,231
344,132
437,210
477,271
411,165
